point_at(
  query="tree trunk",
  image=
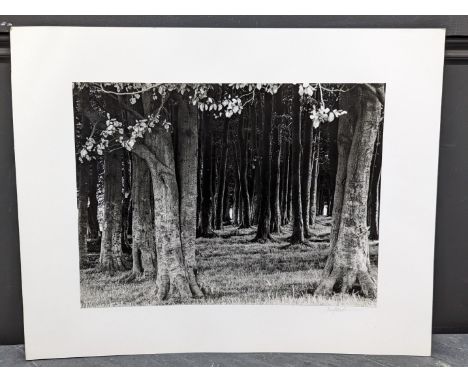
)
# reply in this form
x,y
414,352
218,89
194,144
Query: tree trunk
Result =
x,y
82,180
244,190
306,175
298,227
126,222
158,152
314,185
93,223
143,231
275,220
187,138
263,228
258,159
207,197
348,261
374,191
222,178
111,242
285,186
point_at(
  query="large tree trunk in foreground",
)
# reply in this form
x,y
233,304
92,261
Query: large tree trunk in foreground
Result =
x,y
187,150
158,152
263,228
111,242
348,261
143,238
220,201
298,227
307,175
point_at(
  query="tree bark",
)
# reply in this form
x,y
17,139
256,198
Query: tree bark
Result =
x,y
143,231
298,227
222,178
244,190
263,228
93,223
275,220
348,261
111,242
126,216
207,197
314,184
285,184
374,191
158,152
187,139
82,180
306,175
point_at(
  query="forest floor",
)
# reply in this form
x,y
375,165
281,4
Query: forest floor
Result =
x,y
234,270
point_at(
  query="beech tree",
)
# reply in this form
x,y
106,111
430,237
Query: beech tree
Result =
x,y
348,261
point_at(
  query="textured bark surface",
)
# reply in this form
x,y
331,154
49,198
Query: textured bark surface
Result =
x,y
307,175
207,197
111,243
93,223
349,258
313,187
82,180
275,220
285,183
263,227
158,152
220,202
187,144
296,202
143,243
243,161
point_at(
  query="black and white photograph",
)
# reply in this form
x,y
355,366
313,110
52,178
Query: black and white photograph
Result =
x,y
229,193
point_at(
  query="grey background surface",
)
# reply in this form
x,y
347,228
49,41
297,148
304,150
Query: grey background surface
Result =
x,y
451,249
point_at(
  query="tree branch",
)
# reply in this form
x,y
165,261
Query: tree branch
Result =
x,y
376,91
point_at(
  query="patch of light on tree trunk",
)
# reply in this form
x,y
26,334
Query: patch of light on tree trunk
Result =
x,y
230,213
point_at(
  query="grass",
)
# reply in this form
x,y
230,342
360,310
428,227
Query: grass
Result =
x,y
233,270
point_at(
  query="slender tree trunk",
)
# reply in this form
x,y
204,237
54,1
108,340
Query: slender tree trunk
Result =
x,y
306,175
258,159
263,228
285,188
244,190
111,243
289,189
275,221
222,178
214,178
348,261
207,197
374,191
143,230
314,184
298,227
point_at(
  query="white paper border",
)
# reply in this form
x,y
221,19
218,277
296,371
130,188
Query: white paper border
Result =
x,y
45,62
